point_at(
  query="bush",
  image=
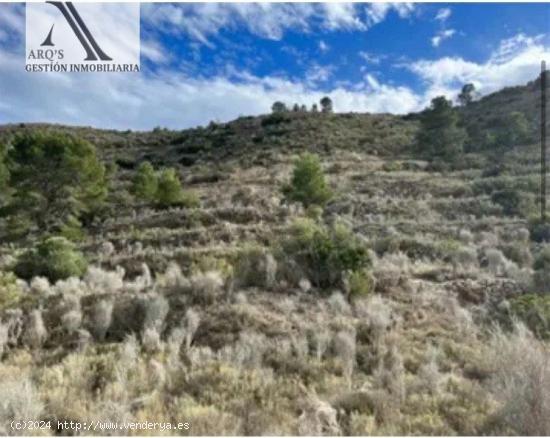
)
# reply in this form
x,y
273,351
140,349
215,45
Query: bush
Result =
x,y
514,202
163,188
170,193
513,130
539,229
360,283
72,230
54,258
255,266
325,254
145,182
534,311
10,292
308,184
519,383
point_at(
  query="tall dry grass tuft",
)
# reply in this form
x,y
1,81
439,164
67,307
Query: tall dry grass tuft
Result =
x,y
520,382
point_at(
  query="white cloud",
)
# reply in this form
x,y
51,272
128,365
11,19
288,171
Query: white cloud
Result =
x,y
12,22
377,12
515,61
318,73
154,52
443,14
370,57
323,47
139,101
342,16
203,21
442,36
373,83
509,48
178,100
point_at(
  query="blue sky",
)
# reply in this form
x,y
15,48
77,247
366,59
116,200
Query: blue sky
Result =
x,y
203,62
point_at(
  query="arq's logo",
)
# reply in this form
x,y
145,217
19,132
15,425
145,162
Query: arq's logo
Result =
x,y
98,37
81,31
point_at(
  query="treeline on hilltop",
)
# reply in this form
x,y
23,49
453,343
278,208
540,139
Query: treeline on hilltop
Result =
x,y
445,131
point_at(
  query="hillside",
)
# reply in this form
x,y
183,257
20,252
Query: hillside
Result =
x,y
284,133
203,315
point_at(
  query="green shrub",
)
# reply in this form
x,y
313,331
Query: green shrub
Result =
x,y
308,184
534,311
543,259
514,202
72,230
170,192
518,253
539,229
10,292
513,130
275,119
190,199
361,283
314,212
324,254
54,257
145,182
163,188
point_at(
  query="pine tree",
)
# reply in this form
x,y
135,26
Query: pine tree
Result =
x,y
308,184
440,136
55,177
145,182
326,104
169,191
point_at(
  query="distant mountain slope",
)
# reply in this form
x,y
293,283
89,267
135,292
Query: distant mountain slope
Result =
x,y
250,138
523,98
489,114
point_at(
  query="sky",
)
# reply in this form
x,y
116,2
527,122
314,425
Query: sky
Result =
x,y
218,61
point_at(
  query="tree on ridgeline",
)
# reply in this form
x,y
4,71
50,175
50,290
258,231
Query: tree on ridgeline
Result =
x,y
467,95
278,107
326,104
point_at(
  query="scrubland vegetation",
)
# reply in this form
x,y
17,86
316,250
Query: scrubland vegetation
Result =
x,y
302,272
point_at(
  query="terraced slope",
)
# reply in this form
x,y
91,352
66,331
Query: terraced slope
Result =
x,y
188,315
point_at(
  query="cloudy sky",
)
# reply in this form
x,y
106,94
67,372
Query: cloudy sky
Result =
x,y
213,61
